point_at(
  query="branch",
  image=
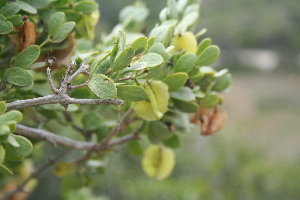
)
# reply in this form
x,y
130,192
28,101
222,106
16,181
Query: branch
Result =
x,y
21,187
53,138
62,99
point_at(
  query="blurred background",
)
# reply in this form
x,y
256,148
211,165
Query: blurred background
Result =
x,y
257,153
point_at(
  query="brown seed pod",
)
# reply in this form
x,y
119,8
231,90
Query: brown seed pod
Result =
x,y
28,33
16,38
211,121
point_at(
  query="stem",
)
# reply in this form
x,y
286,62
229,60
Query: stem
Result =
x,y
44,43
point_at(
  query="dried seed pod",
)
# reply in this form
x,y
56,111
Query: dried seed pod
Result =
x,y
16,38
211,121
28,33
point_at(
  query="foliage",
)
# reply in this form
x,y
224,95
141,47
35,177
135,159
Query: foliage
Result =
x,y
158,77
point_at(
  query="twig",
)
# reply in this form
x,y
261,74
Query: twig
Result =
x,y
62,99
83,69
118,128
21,187
53,88
133,136
54,138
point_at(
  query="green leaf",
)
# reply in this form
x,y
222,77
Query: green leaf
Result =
x,y
185,63
172,9
152,59
16,20
13,115
210,101
18,153
26,7
55,21
158,131
2,154
12,141
4,132
62,32
222,82
5,26
91,121
3,107
27,57
9,9
3,3
135,148
36,65
208,56
206,42
5,170
158,48
136,66
176,81
173,142
160,33
184,94
123,60
85,56
72,15
60,2
131,93
38,3
86,6
186,106
102,86
122,40
139,45
101,64
18,76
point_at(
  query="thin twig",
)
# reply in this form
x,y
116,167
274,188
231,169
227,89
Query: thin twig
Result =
x,y
132,136
54,138
78,86
53,88
83,69
21,187
62,99
118,128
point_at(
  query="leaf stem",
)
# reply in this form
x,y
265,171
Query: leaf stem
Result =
x,y
44,43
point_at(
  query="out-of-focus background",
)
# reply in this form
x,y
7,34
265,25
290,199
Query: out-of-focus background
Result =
x,y
257,153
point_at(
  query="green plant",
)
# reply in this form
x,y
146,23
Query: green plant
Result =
x,y
130,87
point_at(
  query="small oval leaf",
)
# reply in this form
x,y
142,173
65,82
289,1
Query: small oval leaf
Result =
x,y
18,76
152,59
5,26
9,9
123,60
62,32
184,94
186,106
55,21
208,56
131,93
27,57
203,45
185,63
102,86
176,81
139,45
86,6
18,153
